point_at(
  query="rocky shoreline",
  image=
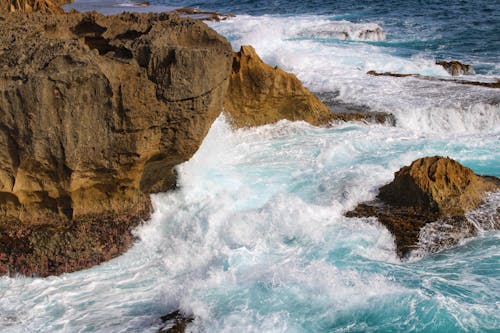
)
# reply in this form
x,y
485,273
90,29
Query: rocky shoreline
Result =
x,y
96,112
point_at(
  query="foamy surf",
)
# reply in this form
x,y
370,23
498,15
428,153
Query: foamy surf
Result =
x,y
255,238
339,67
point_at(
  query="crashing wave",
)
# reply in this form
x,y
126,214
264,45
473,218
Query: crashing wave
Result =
x,y
345,30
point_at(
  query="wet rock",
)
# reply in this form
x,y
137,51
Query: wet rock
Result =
x,y
28,6
355,112
175,322
202,15
259,94
437,79
95,111
456,68
431,189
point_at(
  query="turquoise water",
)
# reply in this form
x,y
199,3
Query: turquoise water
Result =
x,y
255,239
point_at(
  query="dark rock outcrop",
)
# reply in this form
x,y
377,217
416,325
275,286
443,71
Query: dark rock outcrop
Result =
x,y
456,68
430,189
438,79
95,112
175,322
202,14
28,6
259,94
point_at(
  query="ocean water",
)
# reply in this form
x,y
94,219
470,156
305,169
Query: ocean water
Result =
x,y
255,239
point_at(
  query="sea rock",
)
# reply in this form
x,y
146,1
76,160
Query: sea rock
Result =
x,y
202,15
259,94
28,6
456,68
430,189
175,322
95,111
495,84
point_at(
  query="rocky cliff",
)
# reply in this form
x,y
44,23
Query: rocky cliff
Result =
x,y
430,190
28,6
95,112
259,94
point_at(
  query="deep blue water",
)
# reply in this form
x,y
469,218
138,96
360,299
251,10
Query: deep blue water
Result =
x,y
255,239
467,30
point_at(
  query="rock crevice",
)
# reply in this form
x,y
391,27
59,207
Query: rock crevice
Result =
x,y
95,114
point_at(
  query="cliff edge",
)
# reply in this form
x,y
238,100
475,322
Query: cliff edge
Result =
x,y
95,111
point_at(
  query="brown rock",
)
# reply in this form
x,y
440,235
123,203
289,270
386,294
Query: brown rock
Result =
x,y
28,6
430,189
95,111
456,68
259,94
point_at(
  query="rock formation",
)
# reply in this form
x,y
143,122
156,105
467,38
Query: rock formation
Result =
x,y
28,6
175,322
95,112
456,68
430,189
495,84
259,94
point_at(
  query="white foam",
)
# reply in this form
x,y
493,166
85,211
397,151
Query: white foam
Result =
x,y
331,66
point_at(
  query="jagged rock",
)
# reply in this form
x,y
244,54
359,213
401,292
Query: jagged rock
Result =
x,y
430,189
28,6
95,111
456,68
259,94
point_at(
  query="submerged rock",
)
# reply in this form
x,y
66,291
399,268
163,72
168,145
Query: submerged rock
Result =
x,y
431,189
28,6
456,68
175,322
95,112
202,15
495,84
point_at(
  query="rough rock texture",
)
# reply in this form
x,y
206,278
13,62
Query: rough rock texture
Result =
x,y
259,94
430,189
95,112
456,68
28,6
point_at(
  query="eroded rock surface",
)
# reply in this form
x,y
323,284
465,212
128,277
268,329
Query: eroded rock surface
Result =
x,y
259,94
28,6
430,189
95,112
